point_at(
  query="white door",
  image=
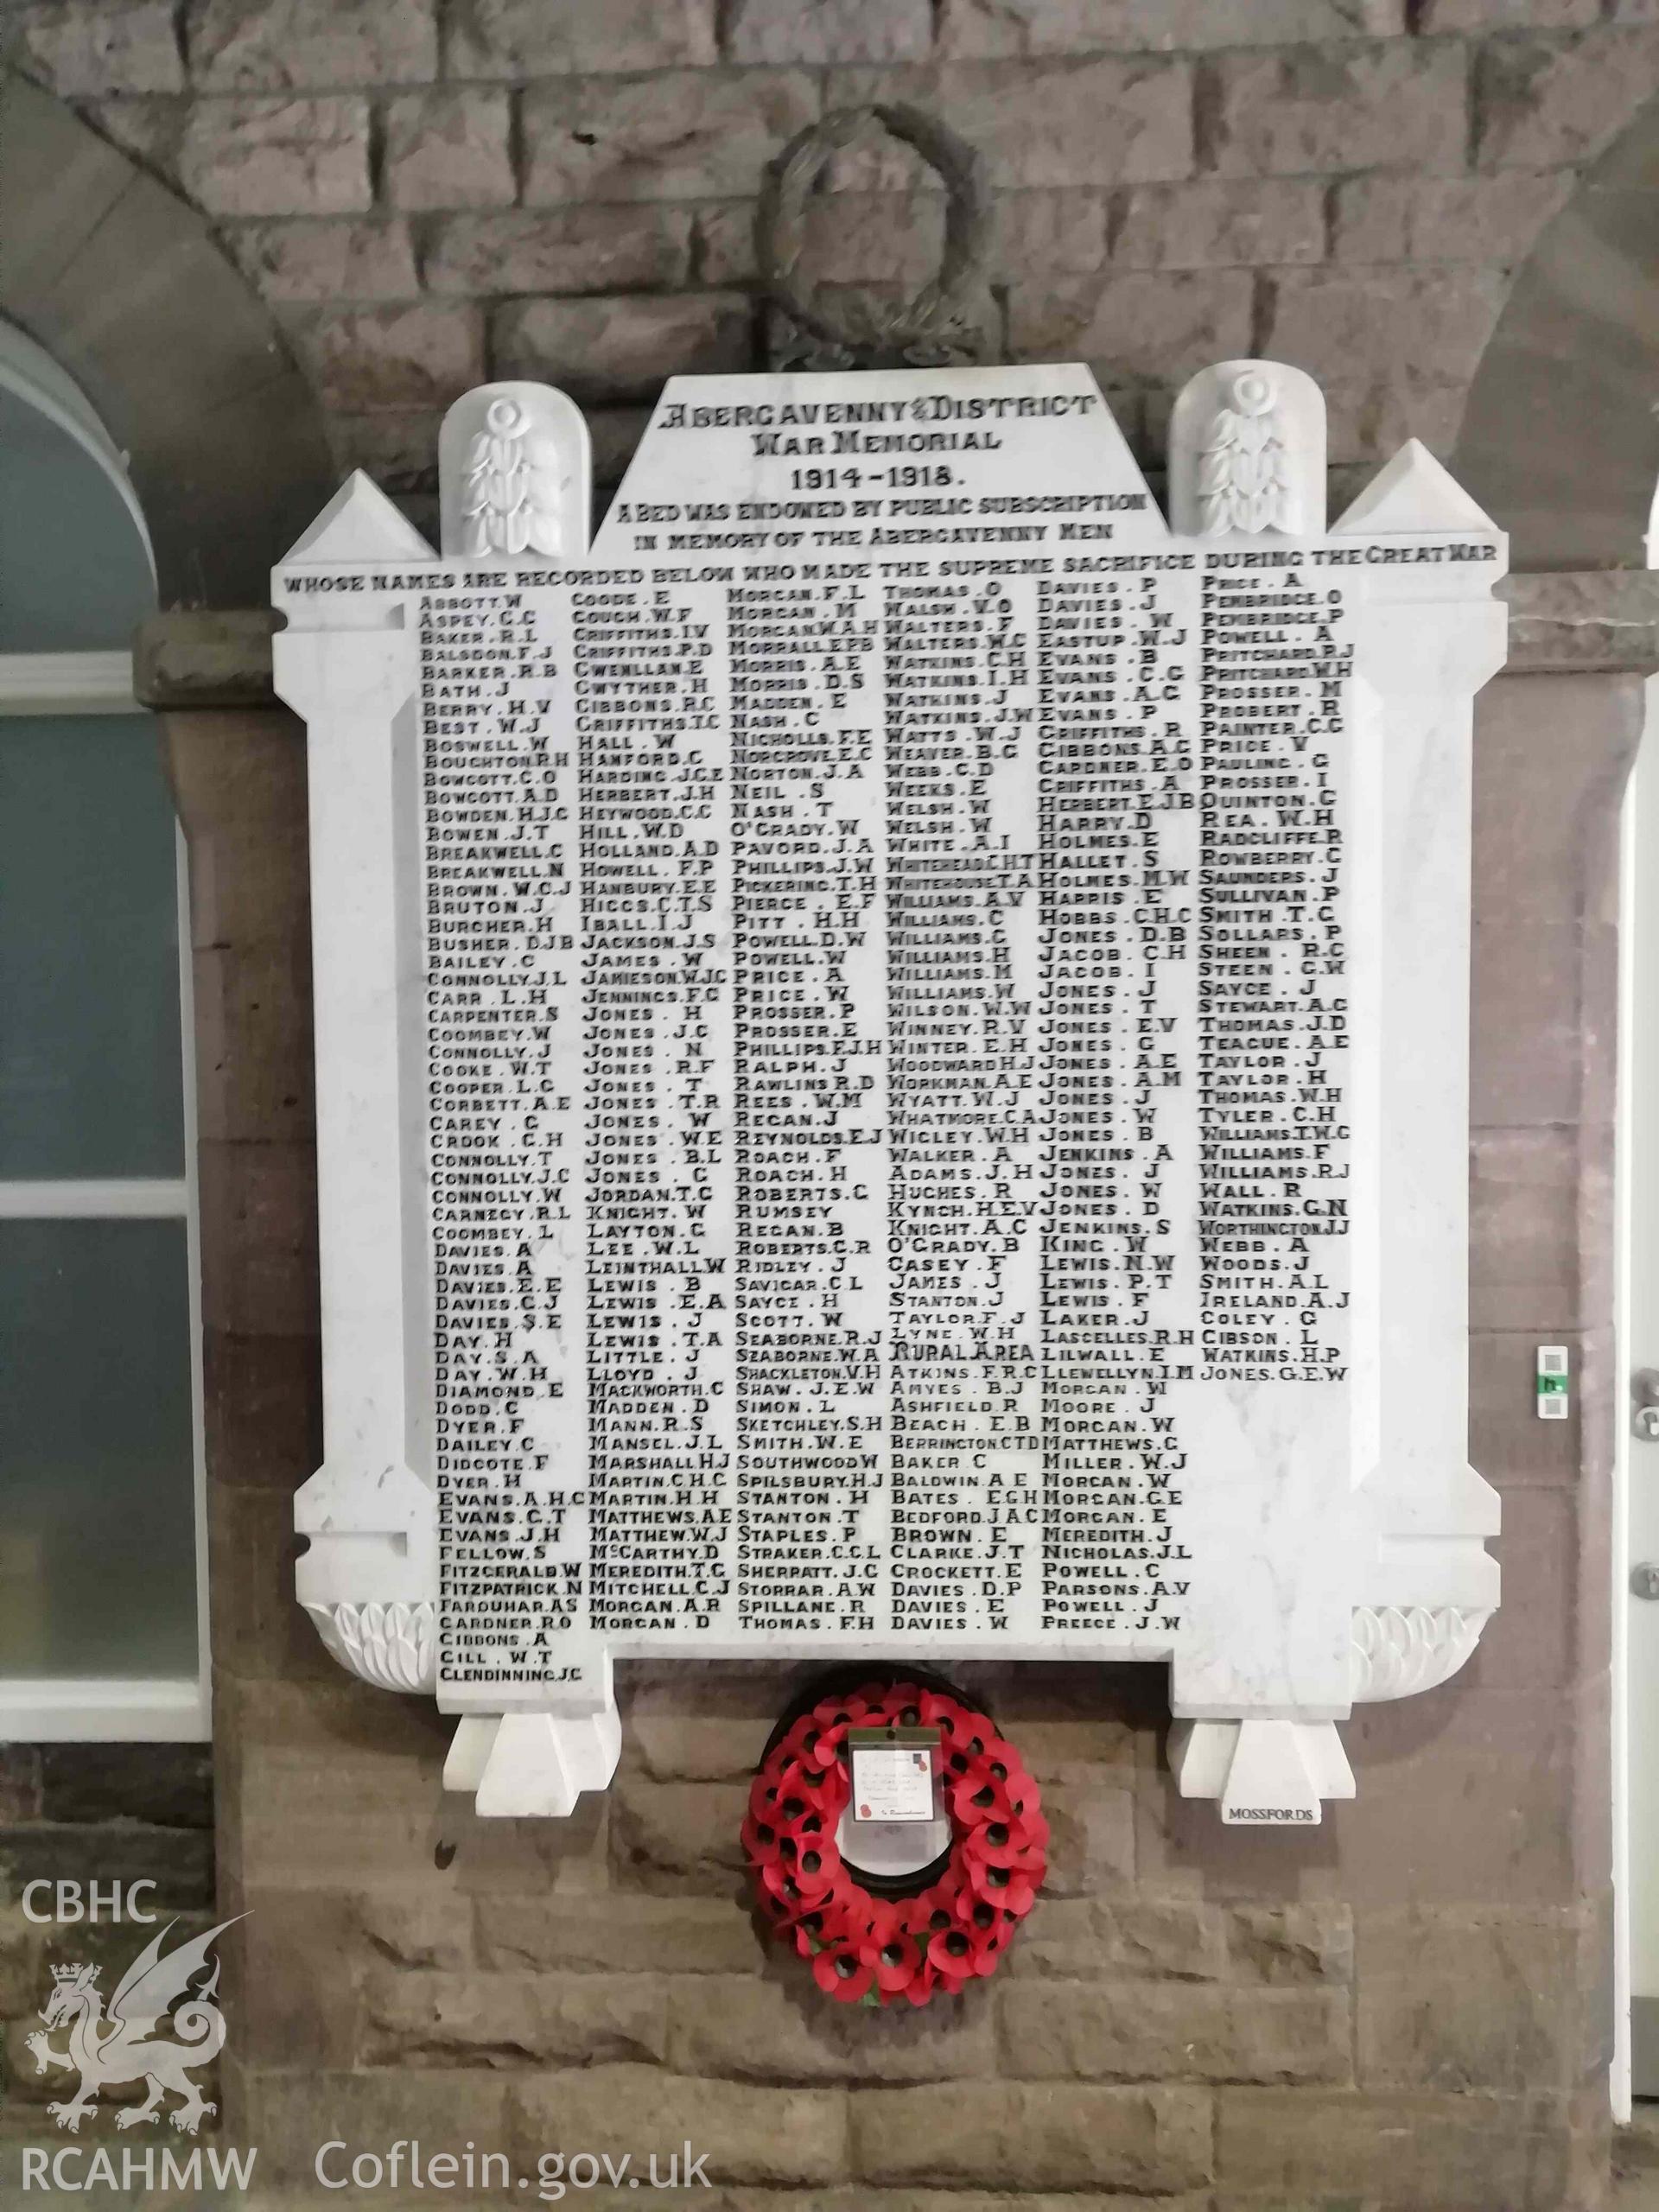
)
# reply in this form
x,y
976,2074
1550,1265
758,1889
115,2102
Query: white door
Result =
x,y
1636,1596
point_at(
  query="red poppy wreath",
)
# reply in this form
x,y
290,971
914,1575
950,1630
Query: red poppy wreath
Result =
x,y
874,1950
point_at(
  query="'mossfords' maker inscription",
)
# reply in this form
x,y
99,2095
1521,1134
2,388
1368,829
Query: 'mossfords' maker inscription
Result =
x,y
901,968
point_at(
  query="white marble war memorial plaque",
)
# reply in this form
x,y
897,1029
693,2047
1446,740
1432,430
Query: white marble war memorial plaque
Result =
x,y
891,1059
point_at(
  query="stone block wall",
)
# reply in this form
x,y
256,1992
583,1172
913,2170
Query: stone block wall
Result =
x,y
1406,2010
429,192
82,1814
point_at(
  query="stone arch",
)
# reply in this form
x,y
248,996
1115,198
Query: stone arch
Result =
x,y
123,285
1560,440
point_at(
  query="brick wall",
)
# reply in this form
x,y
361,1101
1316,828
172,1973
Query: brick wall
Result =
x,y
428,192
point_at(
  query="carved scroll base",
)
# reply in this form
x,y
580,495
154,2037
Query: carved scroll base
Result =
x,y
1399,1650
1275,1773
517,1765
393,1646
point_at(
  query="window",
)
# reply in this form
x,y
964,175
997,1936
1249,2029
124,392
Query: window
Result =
x,y
102,1581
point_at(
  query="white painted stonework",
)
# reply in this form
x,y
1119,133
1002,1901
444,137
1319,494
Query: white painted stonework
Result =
x,y
891,1059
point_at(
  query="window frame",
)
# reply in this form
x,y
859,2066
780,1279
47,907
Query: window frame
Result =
x,y
163,1708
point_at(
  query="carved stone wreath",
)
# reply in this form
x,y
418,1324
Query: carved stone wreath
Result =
x,y
944,325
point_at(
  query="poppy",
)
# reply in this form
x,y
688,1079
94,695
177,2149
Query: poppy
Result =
x,y
976,1801
1004,1843
814,1863
985,1956
839,1714
895,1963
759,1842
927,1980
878,1918
809,1789
942,1714
807,1930
934,1909
952,1950
838,1969
806,1878
797,1742
1004,1888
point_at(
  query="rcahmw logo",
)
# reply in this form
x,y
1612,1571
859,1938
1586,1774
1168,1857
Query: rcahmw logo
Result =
x,y
127,2041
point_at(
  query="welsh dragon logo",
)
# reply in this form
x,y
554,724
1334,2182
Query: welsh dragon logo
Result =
x,y
122,2045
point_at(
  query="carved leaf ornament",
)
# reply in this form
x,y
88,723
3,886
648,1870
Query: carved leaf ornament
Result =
x,y
512,491
1243,469
1399,1650
393,1646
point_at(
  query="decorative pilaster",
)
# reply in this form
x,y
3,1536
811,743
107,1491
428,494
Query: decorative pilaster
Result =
x,y
1246,463
343,665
